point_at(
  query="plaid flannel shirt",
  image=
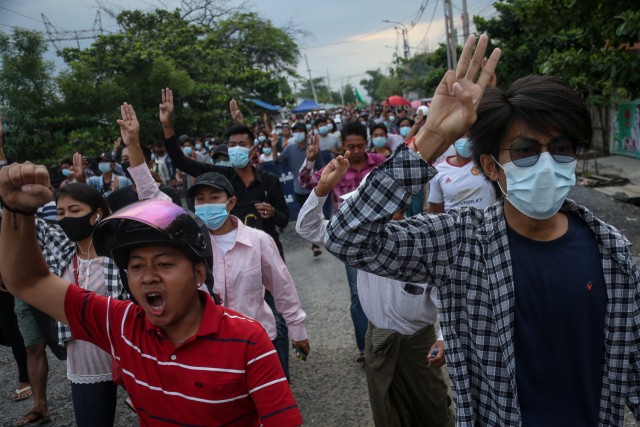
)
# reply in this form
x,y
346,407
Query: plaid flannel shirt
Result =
x,y
58,252
465,253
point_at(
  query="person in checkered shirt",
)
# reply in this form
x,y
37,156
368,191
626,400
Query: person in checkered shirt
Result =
x,y
540,299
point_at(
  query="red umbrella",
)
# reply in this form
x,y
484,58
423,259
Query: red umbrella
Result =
x,y
396,100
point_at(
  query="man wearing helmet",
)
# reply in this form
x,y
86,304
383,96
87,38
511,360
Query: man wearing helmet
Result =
x,y
184,358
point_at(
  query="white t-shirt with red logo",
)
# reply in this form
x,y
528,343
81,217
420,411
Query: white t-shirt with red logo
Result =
x,y
460,186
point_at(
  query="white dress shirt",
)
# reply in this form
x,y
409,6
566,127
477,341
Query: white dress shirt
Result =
x,y
384,301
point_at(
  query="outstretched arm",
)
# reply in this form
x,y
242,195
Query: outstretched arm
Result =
x,y
23,187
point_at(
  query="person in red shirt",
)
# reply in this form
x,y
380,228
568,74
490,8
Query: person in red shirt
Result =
x,y
184,359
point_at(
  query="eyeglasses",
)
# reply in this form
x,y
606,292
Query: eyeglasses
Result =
x,y
525,152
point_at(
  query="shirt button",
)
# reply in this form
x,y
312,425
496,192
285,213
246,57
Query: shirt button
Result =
x,y
173,357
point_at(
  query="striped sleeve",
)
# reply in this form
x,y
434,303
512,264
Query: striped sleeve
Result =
x,y
268,387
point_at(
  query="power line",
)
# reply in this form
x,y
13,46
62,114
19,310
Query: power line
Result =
x,y
25,16
348,41
430,22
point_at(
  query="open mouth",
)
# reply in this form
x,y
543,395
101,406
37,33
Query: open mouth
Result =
x,y
155,301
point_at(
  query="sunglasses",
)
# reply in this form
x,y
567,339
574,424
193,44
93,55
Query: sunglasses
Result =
x,y
525,152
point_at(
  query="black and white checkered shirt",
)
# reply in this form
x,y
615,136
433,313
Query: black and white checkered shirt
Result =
x,y
465,253
58,252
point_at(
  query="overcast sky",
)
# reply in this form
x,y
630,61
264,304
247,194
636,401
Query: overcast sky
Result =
x,y
348,36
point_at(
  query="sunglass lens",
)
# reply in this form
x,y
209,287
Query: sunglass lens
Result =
x,y
524,152
564,150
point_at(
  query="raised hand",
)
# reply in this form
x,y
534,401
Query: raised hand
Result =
x,y
419,117
332,174
166,108
115,183
77,171
117,143
129,126
454,104
24,186
494,79
313,149
236,115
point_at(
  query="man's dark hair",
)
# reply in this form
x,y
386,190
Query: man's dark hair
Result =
x,y
208,135
240,130
321,119
411,122
263,131
540,103
66,160
159,143
146,152
378,126
85,193
353,128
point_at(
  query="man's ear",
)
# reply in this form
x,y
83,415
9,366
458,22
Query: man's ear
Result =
x,y
231,204
489,167
201,273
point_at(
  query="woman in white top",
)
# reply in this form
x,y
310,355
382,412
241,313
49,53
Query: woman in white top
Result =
x,y
268,153
69,252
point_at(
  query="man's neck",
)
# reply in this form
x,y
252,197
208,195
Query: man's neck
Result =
x,y
302,144
226,228
106,177
458,160
542,230
359,165
246,173
188,325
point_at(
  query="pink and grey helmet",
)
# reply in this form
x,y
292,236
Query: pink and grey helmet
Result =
x,y
154,223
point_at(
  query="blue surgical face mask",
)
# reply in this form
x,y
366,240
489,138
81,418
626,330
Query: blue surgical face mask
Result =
x,y
279,131
404,131
363,123
330,126
323,130
266,150
153,157
104,167
262,138
379,142
188,150
315,131
308,127
198,146
464,148
213,214
222,163
239,156
539,191
299,136
392,119
66,172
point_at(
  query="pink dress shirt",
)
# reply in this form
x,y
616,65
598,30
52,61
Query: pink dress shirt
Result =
x,y
252,265
349,182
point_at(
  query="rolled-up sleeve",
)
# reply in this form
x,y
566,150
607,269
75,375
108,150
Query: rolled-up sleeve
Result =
x,y
416,250
145,184
276,278
311,224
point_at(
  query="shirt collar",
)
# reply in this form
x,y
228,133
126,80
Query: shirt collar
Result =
x,y
242,236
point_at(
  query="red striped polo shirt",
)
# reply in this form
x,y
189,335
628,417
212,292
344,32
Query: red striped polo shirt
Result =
x,y
228,374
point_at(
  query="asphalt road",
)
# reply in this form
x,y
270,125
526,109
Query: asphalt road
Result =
x,y
330,388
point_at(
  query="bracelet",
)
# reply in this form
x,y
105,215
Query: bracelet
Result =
x,y
15,211
167,127
413,140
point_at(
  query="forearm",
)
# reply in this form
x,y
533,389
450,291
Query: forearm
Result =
x,y
145,185
180,161
2,156
311,224
136,158
24,270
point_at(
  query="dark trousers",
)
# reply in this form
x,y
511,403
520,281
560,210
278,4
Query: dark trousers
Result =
x,y
281,343
10,333
94,404
360,321
301,199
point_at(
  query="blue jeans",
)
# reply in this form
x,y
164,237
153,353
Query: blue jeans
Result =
x,y
360,321
281,343
94,404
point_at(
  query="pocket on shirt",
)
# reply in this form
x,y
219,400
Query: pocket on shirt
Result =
x,y
408,306
251,279
228,396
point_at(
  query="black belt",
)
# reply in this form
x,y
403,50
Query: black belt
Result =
x,y
413,289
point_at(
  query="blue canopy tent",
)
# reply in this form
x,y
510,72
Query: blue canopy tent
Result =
x,y
306,106
264,105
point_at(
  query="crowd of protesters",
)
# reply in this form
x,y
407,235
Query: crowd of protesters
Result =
x,y
159,267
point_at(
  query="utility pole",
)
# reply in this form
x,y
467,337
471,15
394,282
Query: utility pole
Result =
x,y
313,88
341,91
406,43
452,37
465,20
329,85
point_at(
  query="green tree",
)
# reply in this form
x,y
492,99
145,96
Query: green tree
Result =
x,y
27,96
159,49
349,94
372,84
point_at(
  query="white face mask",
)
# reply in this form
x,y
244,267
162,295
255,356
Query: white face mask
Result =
x,y
539,191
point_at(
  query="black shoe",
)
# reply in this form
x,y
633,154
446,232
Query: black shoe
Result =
x,y
360,358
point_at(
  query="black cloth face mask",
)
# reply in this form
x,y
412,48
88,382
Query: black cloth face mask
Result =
x,y
78,228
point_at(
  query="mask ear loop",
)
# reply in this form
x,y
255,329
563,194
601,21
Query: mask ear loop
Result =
x,y
498,181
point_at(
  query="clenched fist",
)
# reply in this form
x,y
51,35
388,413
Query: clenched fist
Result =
x,y
24,186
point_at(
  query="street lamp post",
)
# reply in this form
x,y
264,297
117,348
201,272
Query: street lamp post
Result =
x,y
405,37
